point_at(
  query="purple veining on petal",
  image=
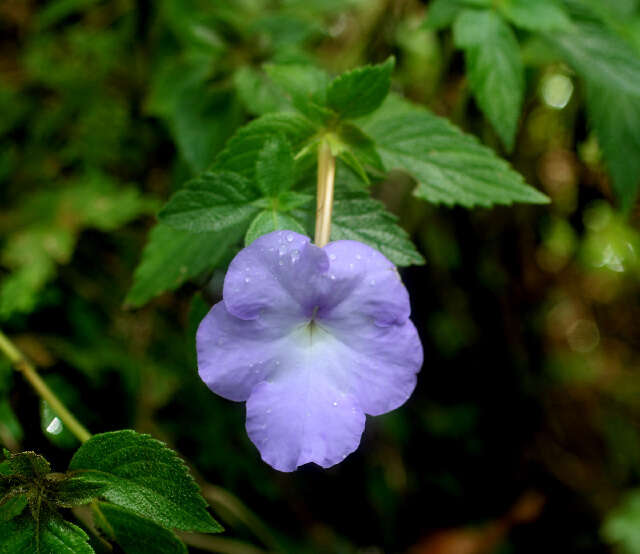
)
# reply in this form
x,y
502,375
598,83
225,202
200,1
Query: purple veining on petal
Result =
x,y
313,339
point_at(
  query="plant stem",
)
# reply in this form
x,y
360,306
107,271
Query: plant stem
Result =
x,y
326,177
30,374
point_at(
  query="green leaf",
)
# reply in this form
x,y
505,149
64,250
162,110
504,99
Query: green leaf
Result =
x,y
358,151
134,534
275,167
494,67
360,91
12,506
258,94
450,166
28,465
539,15
615,117
203,119
213,201
241,152
622,526
271,220
599,56
72,490
146,477
357,216
442,13
53,535
172,256
300,82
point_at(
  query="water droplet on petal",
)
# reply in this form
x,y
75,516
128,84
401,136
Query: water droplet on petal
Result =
x,y
372,282
295,255
289,237
351,266
282,250
332,256
332,277
335,403
247,279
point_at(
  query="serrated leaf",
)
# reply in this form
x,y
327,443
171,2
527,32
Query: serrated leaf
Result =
x,y
146,477
271,220
213,201
275,167
134,534
615,117
71,490
451,167
173,256
12,506
360,91
28,465
599,56
494,68
358,151
357,216
53,535
241,152
539,15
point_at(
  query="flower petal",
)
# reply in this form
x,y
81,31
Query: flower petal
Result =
x,y
367,312
302,417
276,274
364,285
235,354
379,364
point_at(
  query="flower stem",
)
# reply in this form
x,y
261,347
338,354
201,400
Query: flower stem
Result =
x,y
27,369
326,177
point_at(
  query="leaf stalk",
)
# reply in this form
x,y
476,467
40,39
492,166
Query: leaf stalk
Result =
x,y
28,370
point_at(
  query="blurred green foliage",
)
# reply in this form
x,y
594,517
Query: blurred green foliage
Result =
x,y
529,315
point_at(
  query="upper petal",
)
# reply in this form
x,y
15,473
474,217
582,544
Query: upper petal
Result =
x,y
276,274
364,285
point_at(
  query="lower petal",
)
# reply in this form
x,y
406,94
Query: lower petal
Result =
x,y
302,418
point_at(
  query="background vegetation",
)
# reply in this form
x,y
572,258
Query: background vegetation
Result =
x,y
523,434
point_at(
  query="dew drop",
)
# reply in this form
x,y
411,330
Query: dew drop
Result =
x,y
332,277
247,279
289,237
358,257
351,266
282,250
332,256
277,362
295,255
335,403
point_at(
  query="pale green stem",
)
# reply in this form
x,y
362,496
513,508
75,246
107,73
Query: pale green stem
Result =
x,y
30,374
326,178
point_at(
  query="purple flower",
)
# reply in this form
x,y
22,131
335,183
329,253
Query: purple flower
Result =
x,y
313,339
